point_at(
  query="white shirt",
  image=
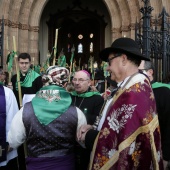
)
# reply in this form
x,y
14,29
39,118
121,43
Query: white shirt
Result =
x,y
11,110
17,134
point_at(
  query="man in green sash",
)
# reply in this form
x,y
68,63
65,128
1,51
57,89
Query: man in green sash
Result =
x,y
162,97
90,102
30,82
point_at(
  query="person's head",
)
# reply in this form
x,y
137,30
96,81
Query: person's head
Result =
x,y
2,75
147,68
81,81
56,75
24,62
70,87
123,58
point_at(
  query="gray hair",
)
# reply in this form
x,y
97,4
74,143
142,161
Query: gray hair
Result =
x,y
148,65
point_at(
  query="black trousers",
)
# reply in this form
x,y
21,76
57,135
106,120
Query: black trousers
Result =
x,y
21,158
11,165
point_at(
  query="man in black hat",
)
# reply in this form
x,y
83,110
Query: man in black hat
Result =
x,y
129,137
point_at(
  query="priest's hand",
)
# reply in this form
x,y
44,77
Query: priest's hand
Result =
x,y
82,132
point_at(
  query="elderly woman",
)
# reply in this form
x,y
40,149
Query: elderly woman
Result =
x,y
48,124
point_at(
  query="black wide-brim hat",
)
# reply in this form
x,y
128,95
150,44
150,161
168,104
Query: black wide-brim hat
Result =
x,y
123,45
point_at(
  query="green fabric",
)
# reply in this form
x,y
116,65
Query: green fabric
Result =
x,y
37,69
74,69
72,56
50,104
47,64
62,61
10,61
30,77
159,84
87,94
106,73
1,83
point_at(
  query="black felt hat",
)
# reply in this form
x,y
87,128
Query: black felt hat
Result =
x,y
123,45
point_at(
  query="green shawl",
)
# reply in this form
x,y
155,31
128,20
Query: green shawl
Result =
x,y
30,77
50,102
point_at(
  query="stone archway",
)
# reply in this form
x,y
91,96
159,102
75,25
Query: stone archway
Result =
x,y
22,19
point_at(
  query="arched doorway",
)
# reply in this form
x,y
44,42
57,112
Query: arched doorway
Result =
x,y
81,23
82,29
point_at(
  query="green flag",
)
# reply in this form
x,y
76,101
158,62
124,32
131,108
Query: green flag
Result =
x,y
10,59
62,61
106,73
72,56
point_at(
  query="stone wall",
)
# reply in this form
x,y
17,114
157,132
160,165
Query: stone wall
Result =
x,y
22,20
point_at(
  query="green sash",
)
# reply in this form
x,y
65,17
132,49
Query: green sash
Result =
x,y
30,77
86,94
1,83
50,102
159,84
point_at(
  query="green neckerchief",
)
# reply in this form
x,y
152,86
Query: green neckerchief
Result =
x,y
86,94
29,78
159,84
1,83
50,102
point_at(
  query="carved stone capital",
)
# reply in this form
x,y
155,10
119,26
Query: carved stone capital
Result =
x,y
19,25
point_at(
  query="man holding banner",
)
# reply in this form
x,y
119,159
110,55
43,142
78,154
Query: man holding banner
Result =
x,y
30,82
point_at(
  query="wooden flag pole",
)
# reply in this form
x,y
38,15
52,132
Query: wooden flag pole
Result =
x,y
55,46
79,63
71,63
18,73
9,72
70,71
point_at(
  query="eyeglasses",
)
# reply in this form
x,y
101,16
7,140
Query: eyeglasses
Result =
x,y
110,59
79,80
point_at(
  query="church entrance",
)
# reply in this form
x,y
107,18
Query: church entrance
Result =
x,y
82,29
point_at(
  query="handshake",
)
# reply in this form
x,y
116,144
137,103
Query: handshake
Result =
x,y
81,133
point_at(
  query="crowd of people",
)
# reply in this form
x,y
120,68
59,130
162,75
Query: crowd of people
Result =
x,y
78,125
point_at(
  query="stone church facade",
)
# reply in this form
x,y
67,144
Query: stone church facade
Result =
x,y
31,21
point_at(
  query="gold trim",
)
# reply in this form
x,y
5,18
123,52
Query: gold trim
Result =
x,y
144,129
126,143
93,151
